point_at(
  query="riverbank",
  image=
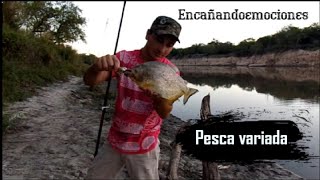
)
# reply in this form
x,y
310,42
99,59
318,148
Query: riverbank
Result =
x,y
293,74
54,136
292,58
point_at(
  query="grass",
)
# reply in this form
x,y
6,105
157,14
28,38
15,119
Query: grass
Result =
x,y
21,81
30,62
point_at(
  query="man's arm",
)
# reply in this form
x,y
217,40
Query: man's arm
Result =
x,y
100,70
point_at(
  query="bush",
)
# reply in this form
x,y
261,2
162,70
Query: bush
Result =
x,y
30,62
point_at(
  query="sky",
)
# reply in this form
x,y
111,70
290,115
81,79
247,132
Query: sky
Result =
x,y
103,19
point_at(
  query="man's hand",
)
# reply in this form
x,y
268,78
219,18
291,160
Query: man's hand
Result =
x,y
162,106
99,71
107,63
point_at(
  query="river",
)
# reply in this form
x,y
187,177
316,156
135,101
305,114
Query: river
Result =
x,y
261,94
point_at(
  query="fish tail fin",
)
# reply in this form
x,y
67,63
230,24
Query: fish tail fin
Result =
x,y
190,92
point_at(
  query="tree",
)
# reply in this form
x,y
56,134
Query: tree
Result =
x,y
310,36
12,14
287,38
245,47
59,21
216,47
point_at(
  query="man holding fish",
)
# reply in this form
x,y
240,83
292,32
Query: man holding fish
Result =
x,y
148,85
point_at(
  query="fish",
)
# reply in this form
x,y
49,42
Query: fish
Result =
x,y
160,79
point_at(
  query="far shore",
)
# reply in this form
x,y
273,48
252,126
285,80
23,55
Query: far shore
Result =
x,y
292,58
296,74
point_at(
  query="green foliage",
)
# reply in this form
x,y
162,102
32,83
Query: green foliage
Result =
x,y
12,15
57,21
245,47
22,46
33,53
88,59
30,62
286,39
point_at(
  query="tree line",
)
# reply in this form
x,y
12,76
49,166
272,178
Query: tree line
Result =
x,y
288,38
34,53
58,21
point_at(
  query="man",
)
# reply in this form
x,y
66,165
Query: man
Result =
x,y
133,137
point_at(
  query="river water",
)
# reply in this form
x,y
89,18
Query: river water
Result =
x,y
261,94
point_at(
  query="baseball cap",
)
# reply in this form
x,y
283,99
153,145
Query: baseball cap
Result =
x,y
166,25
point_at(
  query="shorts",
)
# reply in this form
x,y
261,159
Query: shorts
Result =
x,y
109,163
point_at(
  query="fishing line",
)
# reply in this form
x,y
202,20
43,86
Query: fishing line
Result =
x,y
104,107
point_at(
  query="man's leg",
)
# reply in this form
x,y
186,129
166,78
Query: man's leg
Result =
x,y
106,165
143,166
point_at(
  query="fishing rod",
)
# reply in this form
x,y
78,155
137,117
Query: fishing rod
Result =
x,y
104,107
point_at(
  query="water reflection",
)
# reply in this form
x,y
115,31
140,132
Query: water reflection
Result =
x,y
260,94
278,82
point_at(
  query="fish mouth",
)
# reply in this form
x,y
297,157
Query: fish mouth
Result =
x,y
122,69
127,72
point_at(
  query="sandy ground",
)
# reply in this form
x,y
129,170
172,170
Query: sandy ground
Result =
x,y
54,136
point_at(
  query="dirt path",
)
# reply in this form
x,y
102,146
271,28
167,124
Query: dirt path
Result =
x,y
55,133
